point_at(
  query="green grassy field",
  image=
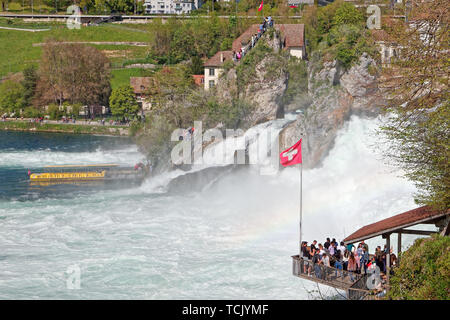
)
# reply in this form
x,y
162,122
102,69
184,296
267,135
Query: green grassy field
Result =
x,y
17,50
121,77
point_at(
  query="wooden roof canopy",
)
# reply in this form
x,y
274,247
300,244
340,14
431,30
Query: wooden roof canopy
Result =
x,y
399,222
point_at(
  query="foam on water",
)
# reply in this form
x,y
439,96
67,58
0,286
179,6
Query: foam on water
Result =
x,y
38,158
233,240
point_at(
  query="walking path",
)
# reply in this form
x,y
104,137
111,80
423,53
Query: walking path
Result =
x,y
23,29
114,43
78,122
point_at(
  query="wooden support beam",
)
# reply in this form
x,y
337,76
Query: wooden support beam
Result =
x,y
419,232
445,231
388,257
399,247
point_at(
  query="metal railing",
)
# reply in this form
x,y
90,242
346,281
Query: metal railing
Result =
x,y
336,277
358,290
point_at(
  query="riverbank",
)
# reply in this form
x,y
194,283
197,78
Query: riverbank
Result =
x,y
64,128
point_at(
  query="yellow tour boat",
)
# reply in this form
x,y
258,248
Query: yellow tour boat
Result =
x,y
90,173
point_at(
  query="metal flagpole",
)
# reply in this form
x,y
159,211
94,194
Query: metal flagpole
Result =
x,y
301,204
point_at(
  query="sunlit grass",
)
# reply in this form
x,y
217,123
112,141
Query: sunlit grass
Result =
x,y
17,50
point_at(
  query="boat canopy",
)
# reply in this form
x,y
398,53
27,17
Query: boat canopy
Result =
x,y
83,166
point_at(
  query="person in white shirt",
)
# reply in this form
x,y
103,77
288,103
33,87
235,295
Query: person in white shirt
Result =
x,y
342,248
331,249
326,260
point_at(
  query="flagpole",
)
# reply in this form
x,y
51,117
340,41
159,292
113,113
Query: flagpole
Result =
x,y
301,202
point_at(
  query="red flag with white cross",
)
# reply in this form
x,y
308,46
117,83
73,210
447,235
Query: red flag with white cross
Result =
x,y
292,155
261,5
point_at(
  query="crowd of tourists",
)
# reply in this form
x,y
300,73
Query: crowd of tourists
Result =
x,y
354,260
267,23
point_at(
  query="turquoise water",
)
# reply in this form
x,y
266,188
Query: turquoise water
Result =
x,y
227,239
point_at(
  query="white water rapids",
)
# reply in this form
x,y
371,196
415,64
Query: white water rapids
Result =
x,y
231,239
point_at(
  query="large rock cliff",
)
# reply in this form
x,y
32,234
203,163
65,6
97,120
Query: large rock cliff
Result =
x,y
335,95
264,86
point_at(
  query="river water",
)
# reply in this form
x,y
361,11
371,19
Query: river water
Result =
x,y
174,238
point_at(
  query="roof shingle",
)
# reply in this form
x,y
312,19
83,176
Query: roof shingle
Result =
x,y
215,60
402,220
292,33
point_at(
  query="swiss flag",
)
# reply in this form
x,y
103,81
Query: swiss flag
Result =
x,y
261,5
292,155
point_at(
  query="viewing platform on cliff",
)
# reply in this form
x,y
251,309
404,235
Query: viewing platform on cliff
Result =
x,y
356,284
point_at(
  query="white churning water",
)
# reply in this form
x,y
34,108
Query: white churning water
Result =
x,y
231,240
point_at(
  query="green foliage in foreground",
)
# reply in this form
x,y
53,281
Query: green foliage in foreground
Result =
x,y
123,102
424,272
423,150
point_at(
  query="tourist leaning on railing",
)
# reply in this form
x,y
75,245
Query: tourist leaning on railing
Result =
x,y
316,262
352,265
364,259
338,262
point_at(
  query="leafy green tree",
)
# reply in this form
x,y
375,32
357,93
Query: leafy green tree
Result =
x,y
347,13
54,111
226,44
31,112
11,97
196,65
418,124
123,102
29,83
424,272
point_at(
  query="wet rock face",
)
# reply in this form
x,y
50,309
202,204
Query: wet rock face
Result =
x,y
336,95
265,95
264,92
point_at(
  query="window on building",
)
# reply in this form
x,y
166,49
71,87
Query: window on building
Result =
x,y
211,71
211,83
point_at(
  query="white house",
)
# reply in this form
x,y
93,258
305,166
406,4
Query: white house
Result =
x,y
213,67
171,6
293,36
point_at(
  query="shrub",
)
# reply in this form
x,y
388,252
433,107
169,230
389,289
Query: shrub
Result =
x,y
347,13
54,112
424,271
31,112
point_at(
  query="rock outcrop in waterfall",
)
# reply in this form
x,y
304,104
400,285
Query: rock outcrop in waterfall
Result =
x,y
331,96
334,95
260,80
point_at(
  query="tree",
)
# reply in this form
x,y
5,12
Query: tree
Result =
x,y
196,65
418,127
74,73
29,83
11,97
171,86
424,272
123,102
347,13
